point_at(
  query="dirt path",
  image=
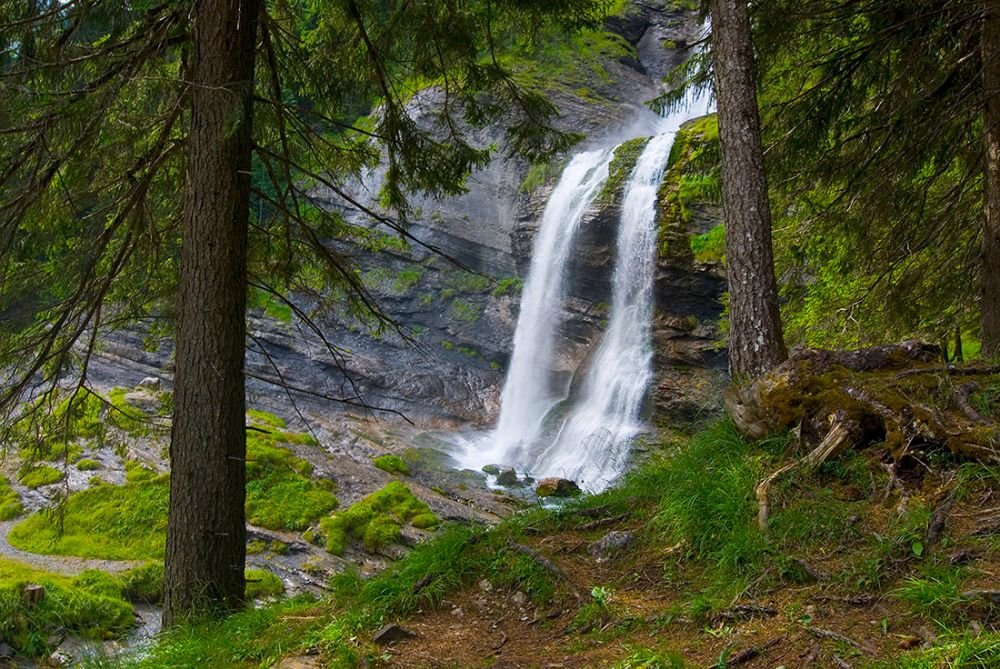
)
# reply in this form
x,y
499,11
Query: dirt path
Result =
x,y
60,564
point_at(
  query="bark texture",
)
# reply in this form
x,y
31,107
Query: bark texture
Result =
x,y
206,531
991,178
756,343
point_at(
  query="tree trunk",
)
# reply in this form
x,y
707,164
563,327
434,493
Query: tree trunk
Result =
x,y
990,42
206,532
756,343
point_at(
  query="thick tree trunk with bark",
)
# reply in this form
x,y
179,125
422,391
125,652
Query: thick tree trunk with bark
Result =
x,y
991,178
206,532
756,343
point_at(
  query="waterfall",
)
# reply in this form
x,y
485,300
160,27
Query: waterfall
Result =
x,y
528,393
592,442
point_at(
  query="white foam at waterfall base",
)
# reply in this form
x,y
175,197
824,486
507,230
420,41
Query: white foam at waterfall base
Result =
x,y
592,443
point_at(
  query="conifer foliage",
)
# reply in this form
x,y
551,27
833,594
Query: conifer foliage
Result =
x,y
134,138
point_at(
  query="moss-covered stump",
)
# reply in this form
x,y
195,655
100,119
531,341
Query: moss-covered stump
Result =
x,y
899,394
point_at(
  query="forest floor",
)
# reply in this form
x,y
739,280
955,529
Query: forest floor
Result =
x,y
873,590
860,566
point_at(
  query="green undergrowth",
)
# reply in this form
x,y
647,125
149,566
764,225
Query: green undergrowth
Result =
x,y
128,522
92,604
693,510
10,501
377,520
256,637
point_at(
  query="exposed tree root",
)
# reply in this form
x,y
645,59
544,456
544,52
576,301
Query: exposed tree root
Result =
x,y
841,436
897,394
821,633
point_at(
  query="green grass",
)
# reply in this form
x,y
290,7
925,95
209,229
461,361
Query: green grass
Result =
x,y
956,651
391,463
36,476
90,604
708,499
262,583
255,637
126,522
377,520
87,465
937,593
10,501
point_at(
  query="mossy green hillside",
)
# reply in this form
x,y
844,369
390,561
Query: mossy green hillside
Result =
x,y
378,519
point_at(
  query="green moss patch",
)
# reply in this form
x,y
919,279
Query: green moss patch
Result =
x,y
262,583
39,475
392,464
710,246
378,519
126,522
90,604
621,168
692,177
280,491
88,465
10,501
284,500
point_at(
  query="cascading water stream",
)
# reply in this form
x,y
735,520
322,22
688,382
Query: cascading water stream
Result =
x,y
591,444
528,393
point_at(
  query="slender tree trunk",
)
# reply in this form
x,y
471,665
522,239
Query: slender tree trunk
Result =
x,y
206,533
991,178
756,343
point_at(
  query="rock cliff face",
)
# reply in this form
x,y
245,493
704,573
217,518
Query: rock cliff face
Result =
x,y
446,362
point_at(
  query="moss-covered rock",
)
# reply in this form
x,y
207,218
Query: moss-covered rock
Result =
x,y
626,156
378,519
391,463
692,177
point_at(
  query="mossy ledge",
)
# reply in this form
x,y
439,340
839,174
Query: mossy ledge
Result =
x,y
626,156
692,176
